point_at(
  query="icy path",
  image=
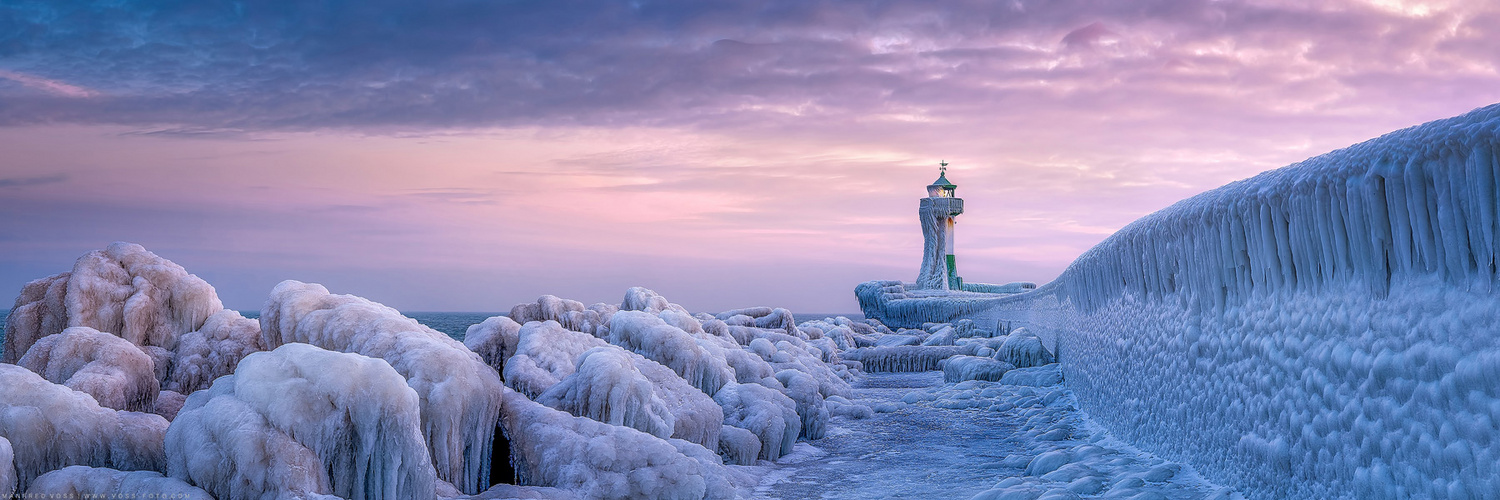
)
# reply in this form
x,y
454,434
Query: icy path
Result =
x,y
968,439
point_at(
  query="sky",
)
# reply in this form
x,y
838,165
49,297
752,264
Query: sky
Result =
x,y
472,155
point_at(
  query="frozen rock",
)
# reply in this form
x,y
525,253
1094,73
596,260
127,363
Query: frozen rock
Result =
x,y
905,358
765,412
513,492
645,300
738,446
607,387
122,290
7,469
494,340
571,314
50,426
961,368
1024,350
109,368
459,392
303,421
702,364
212,351
89,482
1037,376
598,460
168,403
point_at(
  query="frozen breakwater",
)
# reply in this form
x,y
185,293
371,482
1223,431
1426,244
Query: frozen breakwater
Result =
x,y
1325,330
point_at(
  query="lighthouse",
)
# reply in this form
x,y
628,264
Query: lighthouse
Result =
x,y
937,212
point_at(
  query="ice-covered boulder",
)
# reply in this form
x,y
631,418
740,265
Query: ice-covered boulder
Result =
x,y
602,461
646,300
50,426
767,413
607,387
302,421
112,370
907,358
212,351
494,340
7,469
702,364
547,355
1024,350
92,482
123,290
459,392
961,368
571,314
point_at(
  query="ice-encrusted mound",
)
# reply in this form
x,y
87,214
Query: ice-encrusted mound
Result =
x,y
303,420
767,413
607,387
1325,330
902,305
1024,350
212,351
546,355
571,314
494,340
7,469
699,363
961,368
645,300
109,368
124,290
602,461
906,358
91,482
459,392
50,426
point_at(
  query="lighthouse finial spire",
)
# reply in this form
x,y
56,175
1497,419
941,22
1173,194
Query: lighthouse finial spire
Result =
x,y
942,167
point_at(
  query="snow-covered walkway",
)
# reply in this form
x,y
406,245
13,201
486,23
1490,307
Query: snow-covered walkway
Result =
x,y
972,439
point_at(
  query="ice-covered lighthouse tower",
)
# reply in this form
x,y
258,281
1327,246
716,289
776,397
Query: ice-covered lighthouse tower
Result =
x,y
937,210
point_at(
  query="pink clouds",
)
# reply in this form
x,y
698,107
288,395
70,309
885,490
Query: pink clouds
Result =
x,y
54,87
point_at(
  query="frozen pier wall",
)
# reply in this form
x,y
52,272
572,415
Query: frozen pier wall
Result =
x,y
1326,330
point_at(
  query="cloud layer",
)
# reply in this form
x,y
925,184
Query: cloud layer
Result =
x,y
735,137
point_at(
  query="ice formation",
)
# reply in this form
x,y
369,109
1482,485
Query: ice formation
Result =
x,y
212,351
961,368
459,392
50,426
1323,330
90,482
548,356
109,368
123,290
906,358
7,469
768,414
903,305
303,421
494,340
645,300
602,461
571,314
647,334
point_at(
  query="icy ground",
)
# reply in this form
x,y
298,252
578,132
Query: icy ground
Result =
x,y
973,439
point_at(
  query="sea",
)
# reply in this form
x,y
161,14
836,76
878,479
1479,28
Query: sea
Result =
x,y
455,324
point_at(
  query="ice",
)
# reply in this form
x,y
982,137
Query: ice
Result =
x,y
548,356
645,300
961,368
50,426
513,492
212,351
903,305
90,482
907,358
302,420
1024,350
598,460
494,340
738,446
702,364
123,290
7,469
109,368
459,392
571,314
607,387
765,412
1038,376
1324,330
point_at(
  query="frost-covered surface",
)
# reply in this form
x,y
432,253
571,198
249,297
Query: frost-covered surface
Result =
x,y
7,469
903,305
91,482
109,368
212,351
50,426
301,420
598,460
928,439
124,290
1323,330
460,393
